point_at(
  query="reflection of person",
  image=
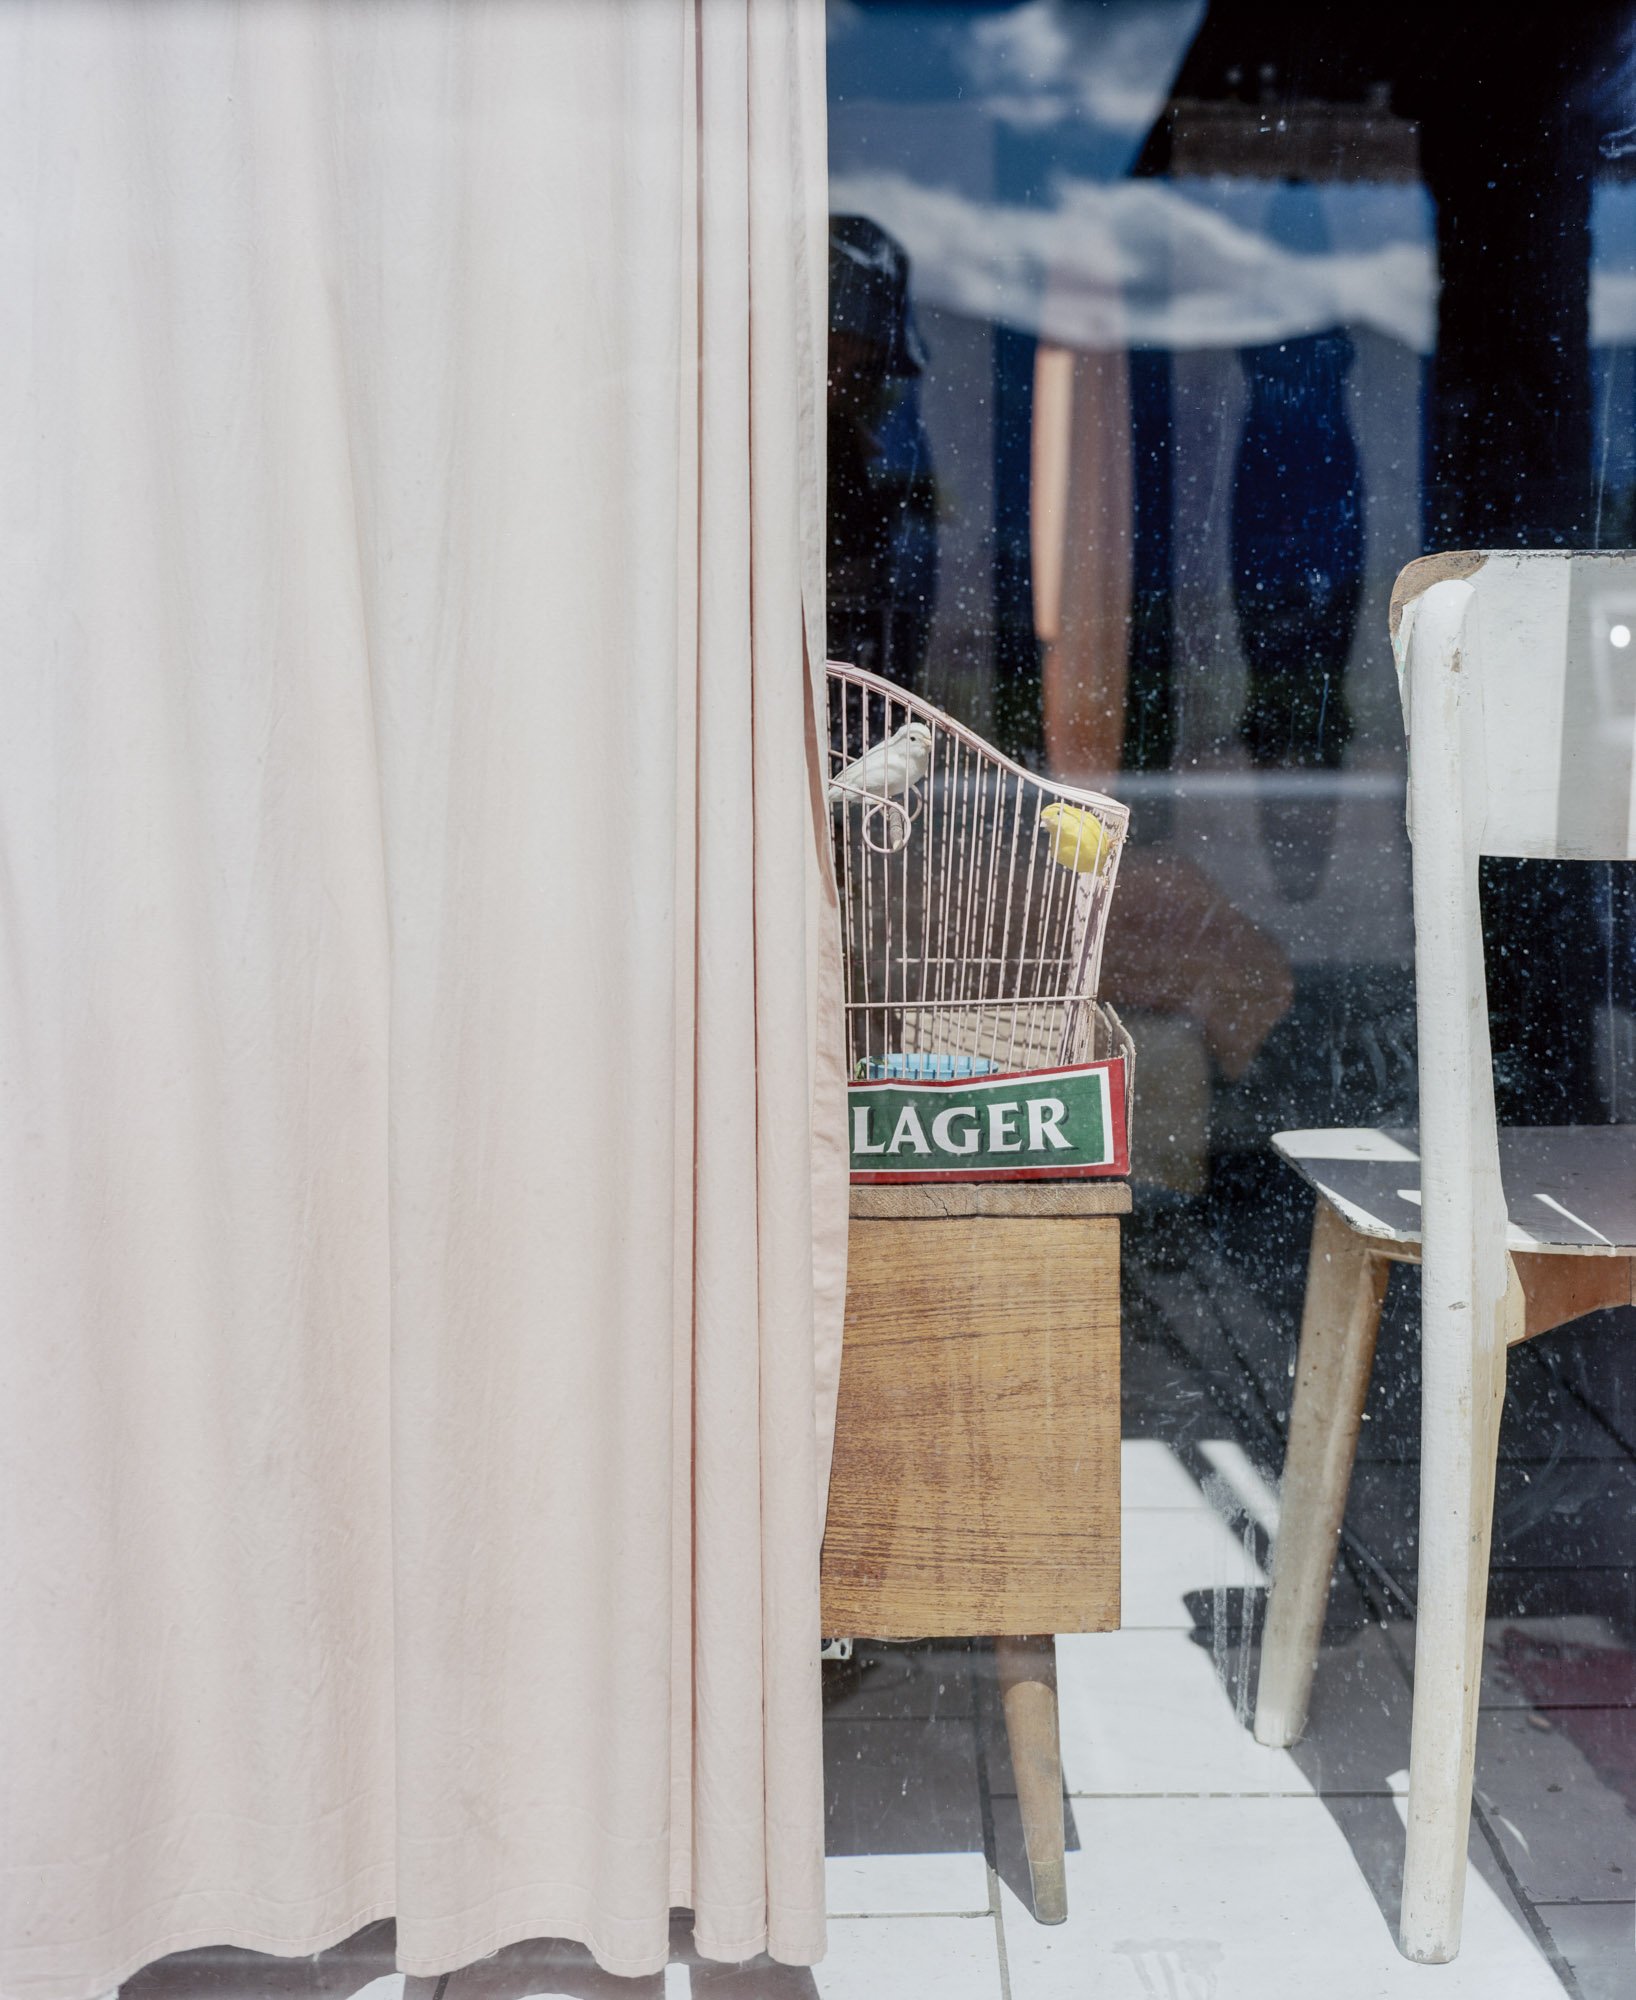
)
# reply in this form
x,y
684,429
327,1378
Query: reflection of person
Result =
x,y
1297,564
882,503
1297,550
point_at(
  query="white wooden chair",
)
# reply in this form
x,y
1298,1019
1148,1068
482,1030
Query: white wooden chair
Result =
x,y
1518,676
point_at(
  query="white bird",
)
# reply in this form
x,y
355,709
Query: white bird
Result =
x,y
890,769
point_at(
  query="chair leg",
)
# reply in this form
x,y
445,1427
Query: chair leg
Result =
x,y
1346,1282
1460,1434
1028,1693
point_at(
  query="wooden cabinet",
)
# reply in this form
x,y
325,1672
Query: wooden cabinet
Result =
x,y
976,1482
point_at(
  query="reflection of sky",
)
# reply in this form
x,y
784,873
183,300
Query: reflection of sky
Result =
x,y
1073,86
1159,263
1613,264
996,143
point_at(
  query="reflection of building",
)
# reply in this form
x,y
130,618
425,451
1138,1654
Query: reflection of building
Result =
x,y
1184,442
1506,146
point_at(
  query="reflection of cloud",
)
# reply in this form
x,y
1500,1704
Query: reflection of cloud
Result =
x,y
1038,64
1613,279
1140,263
1613,308
1196,263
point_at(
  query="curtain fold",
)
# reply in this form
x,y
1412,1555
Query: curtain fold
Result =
x,y
421,1227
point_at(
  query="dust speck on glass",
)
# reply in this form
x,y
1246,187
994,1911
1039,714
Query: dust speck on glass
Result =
x,y
1163,335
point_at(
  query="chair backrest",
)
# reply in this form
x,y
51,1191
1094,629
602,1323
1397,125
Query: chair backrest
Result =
x,y
1518,676
1550,638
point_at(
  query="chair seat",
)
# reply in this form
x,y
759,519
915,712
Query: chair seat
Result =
x,y
1567,1188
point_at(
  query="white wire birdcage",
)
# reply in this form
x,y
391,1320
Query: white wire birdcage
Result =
x,y
974,895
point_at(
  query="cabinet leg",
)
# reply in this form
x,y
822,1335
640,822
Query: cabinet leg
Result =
x,y
1028,1693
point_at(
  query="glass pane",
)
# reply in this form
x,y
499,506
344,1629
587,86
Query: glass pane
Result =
x,y
1163,336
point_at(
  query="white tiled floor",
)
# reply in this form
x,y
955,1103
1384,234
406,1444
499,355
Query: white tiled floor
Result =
x,y
1148,1715
892,1885
1244,1899
1171,1552
909,1955
1152,1476
1252,1889
1202,1867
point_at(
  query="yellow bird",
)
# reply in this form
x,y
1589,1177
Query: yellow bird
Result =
x,y
1078,838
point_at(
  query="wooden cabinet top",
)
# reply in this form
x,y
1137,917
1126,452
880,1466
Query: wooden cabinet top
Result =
x,y
934,1200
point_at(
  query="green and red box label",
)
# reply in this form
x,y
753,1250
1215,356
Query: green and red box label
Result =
x,y
1038,1124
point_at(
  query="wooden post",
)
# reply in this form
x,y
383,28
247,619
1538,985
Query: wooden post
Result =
x,y
1028,1693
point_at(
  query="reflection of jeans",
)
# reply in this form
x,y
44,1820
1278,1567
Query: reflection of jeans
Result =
x,y
1295,712
1297,549
886,639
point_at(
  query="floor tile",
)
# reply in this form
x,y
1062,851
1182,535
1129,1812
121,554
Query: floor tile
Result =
x,y
1237,1485
1566,1509
1510,1645
1566,1830
1358,1719
1167,1555
904,1787
891,1885
931,1678
1246,1899
1564,1589
549,1969
760,1979
1579,1511
1598,1940
955,1958
1568,1394
1152,1475
1562,1394
251,1975
360,1965
1206,1321
882,1958
1146,1712
1168,1399
1552,1663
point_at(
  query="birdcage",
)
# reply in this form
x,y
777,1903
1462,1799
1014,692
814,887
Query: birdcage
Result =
x,y
974,899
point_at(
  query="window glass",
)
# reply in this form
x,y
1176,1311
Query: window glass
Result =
x,y
1164,334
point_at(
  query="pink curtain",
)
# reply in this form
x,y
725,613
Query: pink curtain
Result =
x,y
421,1207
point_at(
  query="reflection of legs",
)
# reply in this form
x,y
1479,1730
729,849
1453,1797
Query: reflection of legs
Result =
x,y
1346,1281
1297,721
1459,1441
1028,1691
1081,510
